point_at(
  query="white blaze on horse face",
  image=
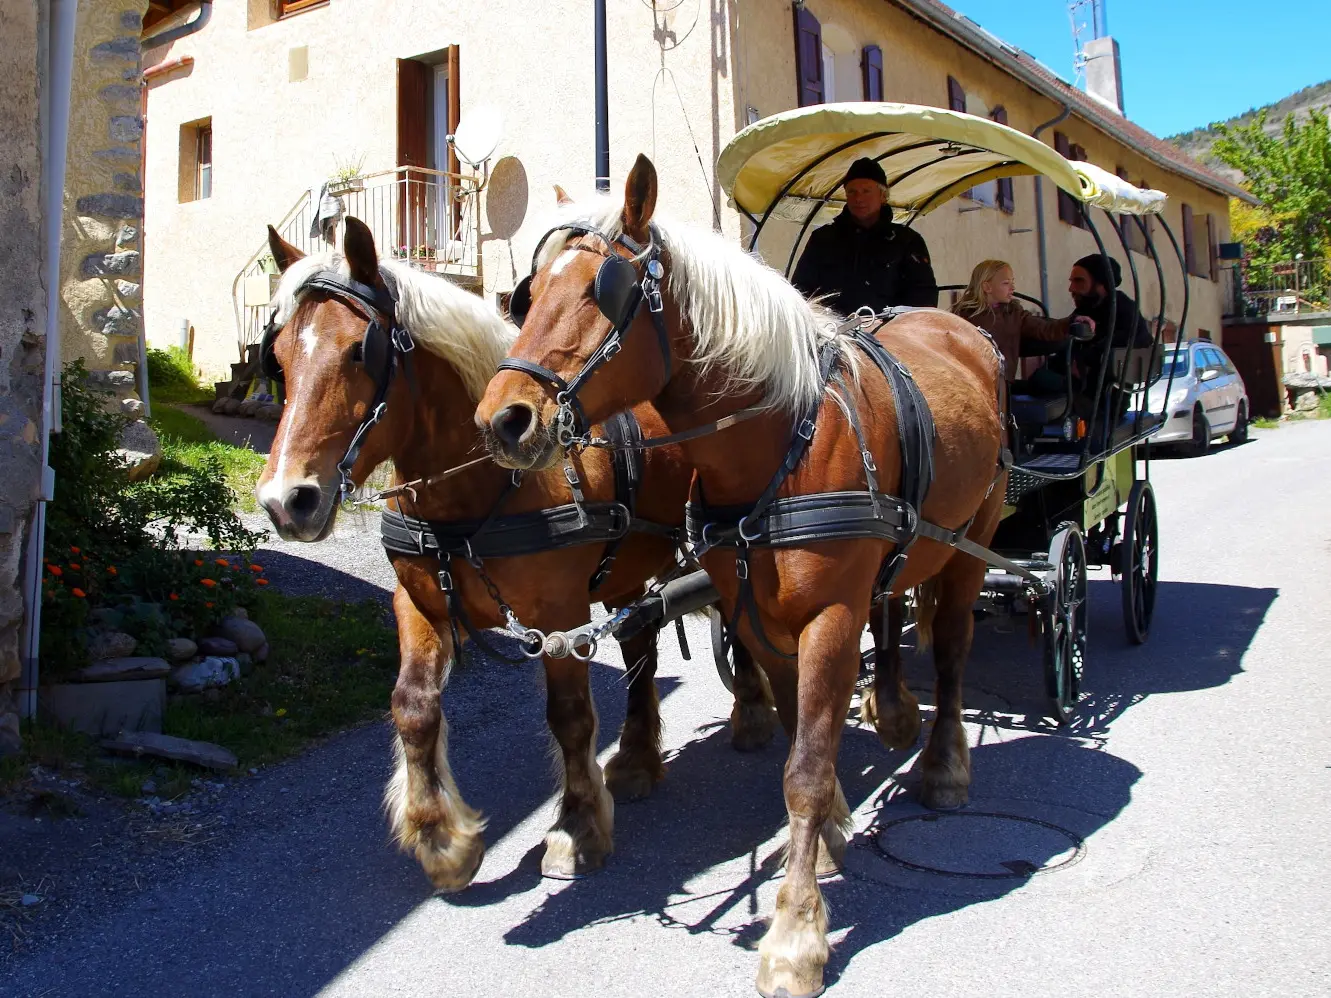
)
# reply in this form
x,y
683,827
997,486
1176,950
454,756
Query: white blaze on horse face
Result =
x,y
562,261
277,487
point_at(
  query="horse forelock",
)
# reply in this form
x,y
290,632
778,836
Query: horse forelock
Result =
x,y
453,324
749,324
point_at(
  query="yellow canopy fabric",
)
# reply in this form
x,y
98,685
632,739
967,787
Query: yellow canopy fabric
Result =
x,y
928,154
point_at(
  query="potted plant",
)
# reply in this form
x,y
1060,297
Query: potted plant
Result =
x,y
347,177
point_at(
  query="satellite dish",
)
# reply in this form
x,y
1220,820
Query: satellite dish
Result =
x,y
478,136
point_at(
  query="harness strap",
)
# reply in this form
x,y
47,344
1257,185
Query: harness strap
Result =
x,y
507,536
626,461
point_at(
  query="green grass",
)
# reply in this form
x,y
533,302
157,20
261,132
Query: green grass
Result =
x,y
187,442
331,666
1262,423
172,379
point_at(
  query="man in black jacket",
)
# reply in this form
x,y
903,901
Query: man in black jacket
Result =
x,y
863,257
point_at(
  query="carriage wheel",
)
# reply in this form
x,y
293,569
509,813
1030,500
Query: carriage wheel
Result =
x,y
1064,616
725,665
1140,561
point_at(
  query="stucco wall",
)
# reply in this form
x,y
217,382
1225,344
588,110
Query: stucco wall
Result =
x,y
917,61
22,326
100,276
273,139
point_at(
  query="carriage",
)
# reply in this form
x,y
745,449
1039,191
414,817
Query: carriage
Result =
x,y
1078,493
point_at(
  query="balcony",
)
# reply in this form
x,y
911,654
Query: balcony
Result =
x,y
1291,287
427,219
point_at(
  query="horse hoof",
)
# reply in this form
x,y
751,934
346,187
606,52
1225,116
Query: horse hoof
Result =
x,y
751,727
450,874
630,781
944,798
564,861
774,982
899,728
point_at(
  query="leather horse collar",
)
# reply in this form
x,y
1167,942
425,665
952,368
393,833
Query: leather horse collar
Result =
x,y
619,293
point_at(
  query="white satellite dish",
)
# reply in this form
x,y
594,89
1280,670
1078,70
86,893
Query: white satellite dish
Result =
x,y
478,136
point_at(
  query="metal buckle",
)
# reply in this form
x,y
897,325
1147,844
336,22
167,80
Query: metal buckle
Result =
x,y
868,461
445,581
651,290
620,519
742,565
612,347
805,429
532,643
564,423
402,339
745,535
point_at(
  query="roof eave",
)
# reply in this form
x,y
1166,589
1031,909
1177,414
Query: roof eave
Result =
x,y
977,41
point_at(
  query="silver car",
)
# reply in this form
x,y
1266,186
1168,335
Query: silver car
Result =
x,y
1207,398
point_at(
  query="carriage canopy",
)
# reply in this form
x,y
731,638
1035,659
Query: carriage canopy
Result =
x,y
791,163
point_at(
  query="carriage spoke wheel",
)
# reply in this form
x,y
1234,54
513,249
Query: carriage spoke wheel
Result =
x,y
725,663
1065,615
1140,562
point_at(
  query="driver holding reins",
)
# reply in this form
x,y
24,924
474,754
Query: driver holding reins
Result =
x,y
864,258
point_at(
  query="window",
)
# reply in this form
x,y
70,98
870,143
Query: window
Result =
x,y
1198,262
871,67
829,74
956,96
1069,208
196,161
1007,201
285,7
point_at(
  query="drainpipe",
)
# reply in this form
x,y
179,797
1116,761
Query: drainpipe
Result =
x,y
602,103
59,64
1042,248
180,30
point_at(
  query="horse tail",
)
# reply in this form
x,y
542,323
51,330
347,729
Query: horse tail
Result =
x,y
926,605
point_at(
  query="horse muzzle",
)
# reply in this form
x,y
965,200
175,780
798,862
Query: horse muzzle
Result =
x,y
301,511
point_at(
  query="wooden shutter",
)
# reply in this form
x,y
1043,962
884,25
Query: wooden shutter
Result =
x,y
871,66
1129,224
414,89
1189,249
1007,200
956,96
454,105
1212,250
1068,209
808,57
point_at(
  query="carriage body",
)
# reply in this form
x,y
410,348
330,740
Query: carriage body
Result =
x,y
1078,494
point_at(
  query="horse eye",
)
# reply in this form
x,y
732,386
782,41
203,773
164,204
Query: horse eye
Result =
x,y
358,353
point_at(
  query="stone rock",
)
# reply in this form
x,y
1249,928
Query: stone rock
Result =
x,y
120,93
128,290
139,744
120,382
262,654
127,237
120,153
122,49
140,449
241,612
117,321
217,646
230,406
133,408
110,644
245,633
131,20
271,411
1307,402
11,738
28,900
181,649
111,264
106,708
125,128
220,405
110,205
245,661
129,667
211,672
247,407
127,182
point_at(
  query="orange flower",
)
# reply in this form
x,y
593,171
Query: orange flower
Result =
x,y
199,562
223,562
208,606
111,570
74,550
207,582
173,597
261,582
75,565
56,570
256,568
78,592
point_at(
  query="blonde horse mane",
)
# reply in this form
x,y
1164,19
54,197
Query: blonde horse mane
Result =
x,y
454,325
747,321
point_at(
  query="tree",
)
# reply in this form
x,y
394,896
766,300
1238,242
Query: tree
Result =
x,y
1290,173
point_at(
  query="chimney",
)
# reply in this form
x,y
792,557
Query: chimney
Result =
x,y
1104,72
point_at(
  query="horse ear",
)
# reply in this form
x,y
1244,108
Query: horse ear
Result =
x,y
283,252
561,196
639,198
358,248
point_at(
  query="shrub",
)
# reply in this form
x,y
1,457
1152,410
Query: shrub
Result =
x,y
171,378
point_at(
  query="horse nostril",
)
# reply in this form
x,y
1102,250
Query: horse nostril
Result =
x,y
513,423
303,501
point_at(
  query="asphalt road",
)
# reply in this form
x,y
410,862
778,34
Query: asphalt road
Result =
x,y
1182,820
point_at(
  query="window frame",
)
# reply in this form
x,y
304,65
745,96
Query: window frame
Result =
x,y
1069,208
289,8
203,168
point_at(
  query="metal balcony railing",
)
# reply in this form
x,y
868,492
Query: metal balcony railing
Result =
x,y
1258,289
425,218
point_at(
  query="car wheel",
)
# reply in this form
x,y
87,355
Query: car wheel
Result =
x,y
1239,435
1201,435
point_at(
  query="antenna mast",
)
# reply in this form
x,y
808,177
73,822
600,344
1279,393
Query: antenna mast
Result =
x,y
1090,20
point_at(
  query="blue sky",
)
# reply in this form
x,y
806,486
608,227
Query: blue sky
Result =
x,y
1185,62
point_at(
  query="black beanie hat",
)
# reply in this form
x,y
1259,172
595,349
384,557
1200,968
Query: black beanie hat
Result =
x,y
865,169
1094,264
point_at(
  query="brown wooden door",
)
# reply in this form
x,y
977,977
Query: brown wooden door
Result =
x,y
414,81
1255,360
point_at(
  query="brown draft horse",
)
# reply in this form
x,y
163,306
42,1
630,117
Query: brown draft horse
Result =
x,y
740,335
427,428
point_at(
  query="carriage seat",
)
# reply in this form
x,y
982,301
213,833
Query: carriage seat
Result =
x,y
1037,410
